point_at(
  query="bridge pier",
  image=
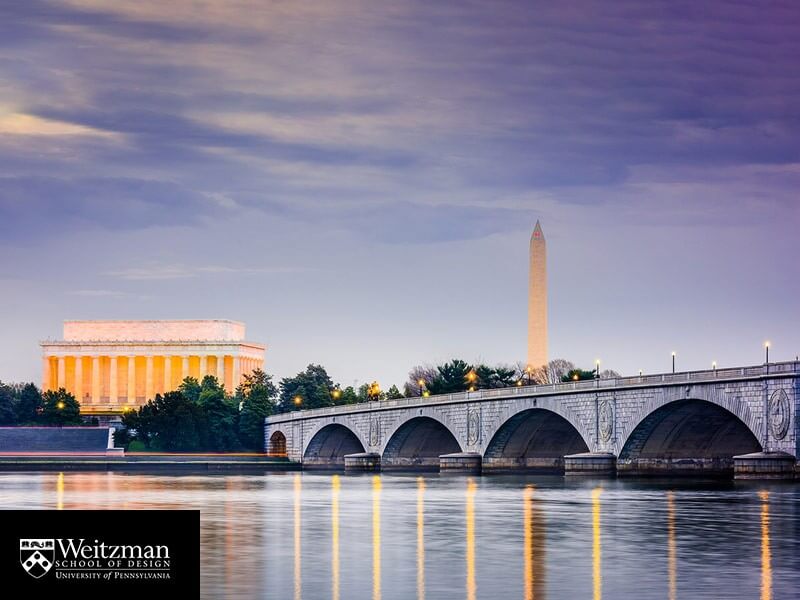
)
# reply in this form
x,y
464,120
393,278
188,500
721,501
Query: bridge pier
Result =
x,y
675,467
764,465
590,463
363,462
460,462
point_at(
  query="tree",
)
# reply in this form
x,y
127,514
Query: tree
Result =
x,y
363,393
220,416
29,404
348,396
370,392
578,375
60,408
422,373
552,372
256,396
312,386
122,438
609,374
494,377
190,388
169,423
450,377
393,393
8,415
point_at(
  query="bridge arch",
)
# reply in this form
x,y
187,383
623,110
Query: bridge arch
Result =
x,y
418,442
327,447
689,435
533,438
276,444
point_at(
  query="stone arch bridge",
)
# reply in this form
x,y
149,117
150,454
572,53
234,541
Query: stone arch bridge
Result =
x,y
693,422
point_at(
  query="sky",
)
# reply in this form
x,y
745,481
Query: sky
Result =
x,y
357,180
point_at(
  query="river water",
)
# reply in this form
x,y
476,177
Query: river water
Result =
x,y
342,537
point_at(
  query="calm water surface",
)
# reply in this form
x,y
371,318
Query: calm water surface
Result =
x,y
292,535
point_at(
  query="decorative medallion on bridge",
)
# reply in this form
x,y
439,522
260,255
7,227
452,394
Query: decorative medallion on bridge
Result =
x,y
374,432
779,414
473,427
605,420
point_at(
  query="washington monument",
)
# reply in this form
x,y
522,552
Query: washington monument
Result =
x,y
537,300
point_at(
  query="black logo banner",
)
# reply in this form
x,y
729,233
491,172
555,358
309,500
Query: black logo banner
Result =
x,y
101,553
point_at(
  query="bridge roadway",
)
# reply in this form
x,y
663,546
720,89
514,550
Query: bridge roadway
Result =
x,y
691,423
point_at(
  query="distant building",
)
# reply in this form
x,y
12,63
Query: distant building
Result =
x,y
111,366
537,299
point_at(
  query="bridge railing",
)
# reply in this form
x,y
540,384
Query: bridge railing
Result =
x,y
685,377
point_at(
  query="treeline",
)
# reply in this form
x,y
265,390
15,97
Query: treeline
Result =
x,y
25,404
314,388
459,376
202,417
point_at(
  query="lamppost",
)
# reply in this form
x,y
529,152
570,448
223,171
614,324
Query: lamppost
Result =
x,y
528,371
673,363
298,400
597,369
421,384
374,391
472,377
336,393
766,349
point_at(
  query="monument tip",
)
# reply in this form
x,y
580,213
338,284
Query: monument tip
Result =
x,y
537,234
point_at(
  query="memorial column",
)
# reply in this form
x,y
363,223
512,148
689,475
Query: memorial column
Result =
x,y
78,391
203,366
61,373
46,375
184,368
167,374
113,392
95,379
237,371
148,379
131,380
221,369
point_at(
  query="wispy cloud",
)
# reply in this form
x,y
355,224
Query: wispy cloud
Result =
x,y
180,271
20,124
98,293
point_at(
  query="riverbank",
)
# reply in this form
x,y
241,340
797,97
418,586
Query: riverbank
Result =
x,y
147,462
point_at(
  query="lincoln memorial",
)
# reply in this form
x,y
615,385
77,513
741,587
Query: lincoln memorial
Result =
x,y
111,366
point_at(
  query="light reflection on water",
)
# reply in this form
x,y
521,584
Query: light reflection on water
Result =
x,y
298,558
471,588
766,556
533,548
597,575
392,536
376,537
420,538
335,485
672,552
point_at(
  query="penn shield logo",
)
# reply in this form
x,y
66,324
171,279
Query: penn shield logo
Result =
x,y
36,556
